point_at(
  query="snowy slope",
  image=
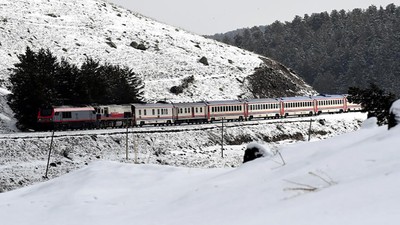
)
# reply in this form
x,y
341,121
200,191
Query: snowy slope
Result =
x,y
95,28
349,179
7,120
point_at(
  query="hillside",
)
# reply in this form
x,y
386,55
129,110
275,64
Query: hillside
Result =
x,y
332,51
348,179
161,54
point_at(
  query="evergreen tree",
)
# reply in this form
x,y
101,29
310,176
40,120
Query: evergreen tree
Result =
x,y
33,85
40,81
352,48
373,100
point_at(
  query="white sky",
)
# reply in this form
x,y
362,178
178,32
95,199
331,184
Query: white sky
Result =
x,y
220,16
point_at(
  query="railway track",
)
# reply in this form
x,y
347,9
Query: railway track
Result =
x,y
163,129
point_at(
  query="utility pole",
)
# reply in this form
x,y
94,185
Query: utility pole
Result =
x,y
309,130
127,139
135,142
48,159
222,138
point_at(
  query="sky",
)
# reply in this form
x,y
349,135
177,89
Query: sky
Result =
x,y
219,16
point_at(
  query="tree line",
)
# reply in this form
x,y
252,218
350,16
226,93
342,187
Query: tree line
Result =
x,y
332,51
41,80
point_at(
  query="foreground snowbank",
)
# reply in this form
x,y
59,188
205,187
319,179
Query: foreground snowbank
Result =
x,y
349,179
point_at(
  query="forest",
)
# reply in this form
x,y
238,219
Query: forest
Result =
x,y
332,51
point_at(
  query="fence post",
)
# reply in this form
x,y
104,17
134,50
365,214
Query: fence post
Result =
x,y
222,138
126,147
48,158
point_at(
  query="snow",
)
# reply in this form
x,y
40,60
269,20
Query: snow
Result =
x,y
395,109
348,179
76,30
371,122
266,152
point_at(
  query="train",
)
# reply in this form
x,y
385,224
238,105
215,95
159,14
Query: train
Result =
x,y
164,113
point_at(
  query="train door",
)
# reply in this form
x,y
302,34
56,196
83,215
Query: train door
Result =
x,y
193,113
106,111
245,110
282,108
316,106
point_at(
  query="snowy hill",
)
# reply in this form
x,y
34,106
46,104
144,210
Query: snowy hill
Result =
x,y
349,179
95,28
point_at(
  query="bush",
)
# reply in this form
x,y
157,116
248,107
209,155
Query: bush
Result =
x,y
185,84
204,61
373,100
176,90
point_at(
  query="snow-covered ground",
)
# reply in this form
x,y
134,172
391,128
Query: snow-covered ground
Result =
x,y
23,156
348,179
76,30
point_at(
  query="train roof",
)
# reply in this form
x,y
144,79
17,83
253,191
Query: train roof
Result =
x,y
297,98
187,104
327,96
72,108
263,100
152,105
223,102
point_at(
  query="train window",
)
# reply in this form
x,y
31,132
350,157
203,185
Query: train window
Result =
x,y
140,112
201,109
153,111
188,110
197,110
144,112
158,111
185,110
66,115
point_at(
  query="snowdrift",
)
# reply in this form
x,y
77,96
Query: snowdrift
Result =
x,y
349,179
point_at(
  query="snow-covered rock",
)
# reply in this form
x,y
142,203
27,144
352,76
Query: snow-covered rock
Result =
x,y
394,114
256,150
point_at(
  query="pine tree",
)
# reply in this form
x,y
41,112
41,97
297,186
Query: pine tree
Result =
x,y
33,85
40,81
373,100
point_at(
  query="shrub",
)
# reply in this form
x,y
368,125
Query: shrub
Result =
x,y
204,61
